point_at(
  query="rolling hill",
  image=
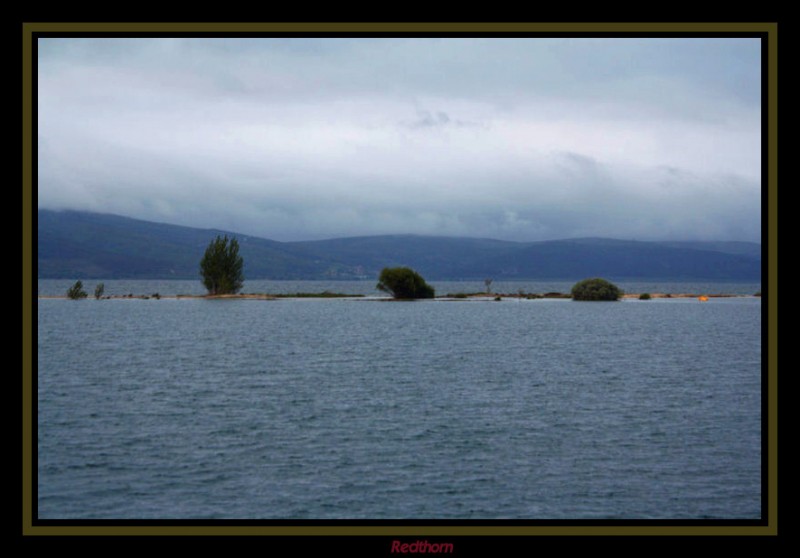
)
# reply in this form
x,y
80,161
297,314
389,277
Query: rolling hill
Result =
x,y
93,245
76,244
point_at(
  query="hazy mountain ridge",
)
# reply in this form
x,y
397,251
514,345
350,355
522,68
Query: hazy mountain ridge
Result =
x,y
92,245
75,244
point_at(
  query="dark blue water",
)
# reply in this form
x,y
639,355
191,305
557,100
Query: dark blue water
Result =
x,y
367,409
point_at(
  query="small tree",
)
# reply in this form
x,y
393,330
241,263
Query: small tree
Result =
x,y
99,290
488,283
76,291
222,267
404,282
595,289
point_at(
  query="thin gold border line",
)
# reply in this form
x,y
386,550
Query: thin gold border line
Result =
x,y
399,531
400,27
772,292
27,269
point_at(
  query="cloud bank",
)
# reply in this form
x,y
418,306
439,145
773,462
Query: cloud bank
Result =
x,y
520,139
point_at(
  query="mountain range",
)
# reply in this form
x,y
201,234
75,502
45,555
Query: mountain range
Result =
x,y
85,245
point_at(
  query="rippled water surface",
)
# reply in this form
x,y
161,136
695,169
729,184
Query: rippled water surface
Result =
x,y
369,409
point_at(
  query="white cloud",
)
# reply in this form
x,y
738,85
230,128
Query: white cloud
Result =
x,y
292,139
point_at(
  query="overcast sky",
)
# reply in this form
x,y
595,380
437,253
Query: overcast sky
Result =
x,y
518,139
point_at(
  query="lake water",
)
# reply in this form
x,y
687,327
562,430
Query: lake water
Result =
x,y
354,409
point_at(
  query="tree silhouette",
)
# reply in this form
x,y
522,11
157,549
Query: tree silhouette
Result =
x,y
222,267
404,282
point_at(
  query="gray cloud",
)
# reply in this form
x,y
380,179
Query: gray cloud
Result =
x,y
427,120
438,119
508,138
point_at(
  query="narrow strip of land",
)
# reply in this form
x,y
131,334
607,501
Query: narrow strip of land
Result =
x,y
326,295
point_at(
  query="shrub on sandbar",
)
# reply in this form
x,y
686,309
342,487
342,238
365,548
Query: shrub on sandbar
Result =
x,y
595,289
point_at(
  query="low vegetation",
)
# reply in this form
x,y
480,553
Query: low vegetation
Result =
x,y
645,296
595,289
76,292
404,283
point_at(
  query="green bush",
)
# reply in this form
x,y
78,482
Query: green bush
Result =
x,y
76,291
99,290
595,289
403,283
645,296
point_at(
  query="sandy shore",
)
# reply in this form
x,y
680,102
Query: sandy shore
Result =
x,y
180,296
687,295
475,296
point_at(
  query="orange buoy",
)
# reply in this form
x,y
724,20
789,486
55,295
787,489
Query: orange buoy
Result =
x,y
702,298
